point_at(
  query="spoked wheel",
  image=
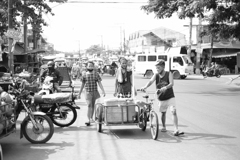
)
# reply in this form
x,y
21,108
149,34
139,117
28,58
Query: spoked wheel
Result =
x,y
41,133
142,121
99,118
1,153
64,116
154,126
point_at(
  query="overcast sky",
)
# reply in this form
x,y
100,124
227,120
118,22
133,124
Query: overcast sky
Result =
x,y
80,25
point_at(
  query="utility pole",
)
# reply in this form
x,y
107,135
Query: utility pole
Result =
x,y
25,30
121,39
199,41
190,37
79,49
10,40
124,43
102,41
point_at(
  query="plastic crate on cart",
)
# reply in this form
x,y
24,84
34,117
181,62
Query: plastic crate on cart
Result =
x,y
119,111
118,101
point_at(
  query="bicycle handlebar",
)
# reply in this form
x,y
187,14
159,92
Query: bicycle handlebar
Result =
x,y
141,90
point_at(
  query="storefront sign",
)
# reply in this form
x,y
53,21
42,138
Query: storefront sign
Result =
x,y
14,34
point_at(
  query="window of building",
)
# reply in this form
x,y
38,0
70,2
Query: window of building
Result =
x,y
152,58
163,57
142,58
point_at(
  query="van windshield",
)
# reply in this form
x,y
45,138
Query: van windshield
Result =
x,y
187,60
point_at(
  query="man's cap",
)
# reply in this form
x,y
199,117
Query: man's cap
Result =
x,y
160,62
50,63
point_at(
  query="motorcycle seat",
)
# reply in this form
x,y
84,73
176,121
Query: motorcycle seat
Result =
x,y
53,98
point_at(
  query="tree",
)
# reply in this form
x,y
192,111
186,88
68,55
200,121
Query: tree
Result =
x,y
32,9
95,49
222,15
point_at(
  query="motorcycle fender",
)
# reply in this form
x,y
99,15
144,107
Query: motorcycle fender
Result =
x,y
38,113
21,126
75,106
21,133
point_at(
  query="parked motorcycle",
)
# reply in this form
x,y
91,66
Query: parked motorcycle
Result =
x,y
60,107
36,127
47,86
209,73
109,70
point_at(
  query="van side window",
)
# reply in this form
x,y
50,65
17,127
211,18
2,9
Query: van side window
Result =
x,y
178,60
163,57
152,58
142,58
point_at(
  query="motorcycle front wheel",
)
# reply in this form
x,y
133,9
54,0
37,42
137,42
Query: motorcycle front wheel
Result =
x,y
64,115
41,133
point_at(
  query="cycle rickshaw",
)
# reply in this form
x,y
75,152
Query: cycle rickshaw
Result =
x,y
127,111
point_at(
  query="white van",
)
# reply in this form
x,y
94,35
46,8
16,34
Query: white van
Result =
x,y
145,64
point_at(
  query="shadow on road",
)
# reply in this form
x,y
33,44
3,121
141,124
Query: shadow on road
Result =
x,y
60,130
137,134
205,136
134,133
168,137
36,151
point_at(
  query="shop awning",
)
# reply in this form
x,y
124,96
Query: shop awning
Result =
x,y
36,51
232,45
221,49
221,55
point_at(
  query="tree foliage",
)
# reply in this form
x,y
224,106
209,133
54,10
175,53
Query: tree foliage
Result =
x,y
32,9
223,15
94,49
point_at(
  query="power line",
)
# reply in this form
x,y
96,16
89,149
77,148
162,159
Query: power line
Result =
x,y
133,2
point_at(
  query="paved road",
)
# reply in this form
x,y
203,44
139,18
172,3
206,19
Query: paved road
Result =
x,y
208,112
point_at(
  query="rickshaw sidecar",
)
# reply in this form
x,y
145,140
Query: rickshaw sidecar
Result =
x,y
116,111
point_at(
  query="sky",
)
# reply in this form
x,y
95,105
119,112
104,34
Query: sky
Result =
x,y
79,25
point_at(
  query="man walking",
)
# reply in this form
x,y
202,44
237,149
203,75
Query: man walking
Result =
x,y
89,80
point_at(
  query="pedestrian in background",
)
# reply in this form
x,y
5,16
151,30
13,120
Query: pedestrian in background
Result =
x,y
166,97
90,81
123,83
75,71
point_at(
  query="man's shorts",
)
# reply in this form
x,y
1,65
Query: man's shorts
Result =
x,y
91,97
171,103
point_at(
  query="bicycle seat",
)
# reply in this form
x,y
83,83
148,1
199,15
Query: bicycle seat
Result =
x,y
146,96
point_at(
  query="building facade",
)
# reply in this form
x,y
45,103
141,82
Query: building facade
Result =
x,y
155,40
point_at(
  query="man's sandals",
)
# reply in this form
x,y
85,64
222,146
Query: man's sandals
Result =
x,y
178,133
87,123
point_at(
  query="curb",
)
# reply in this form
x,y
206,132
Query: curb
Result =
x,y
224,78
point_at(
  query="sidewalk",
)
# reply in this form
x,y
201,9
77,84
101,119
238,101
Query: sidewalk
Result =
x,y
223,79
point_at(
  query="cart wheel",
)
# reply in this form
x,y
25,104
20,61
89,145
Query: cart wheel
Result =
x,y
143,121
1,153
154,126
99,119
